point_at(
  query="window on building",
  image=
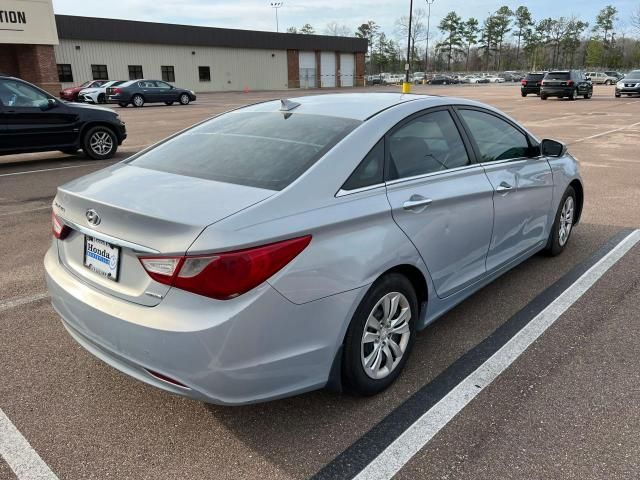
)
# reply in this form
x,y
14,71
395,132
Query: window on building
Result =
x,y
168,75
135,72
99,72
204,73
64,73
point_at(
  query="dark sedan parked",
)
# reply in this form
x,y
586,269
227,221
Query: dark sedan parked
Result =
x,y
531,83
139,92
629,85
566,83
443,80
31,120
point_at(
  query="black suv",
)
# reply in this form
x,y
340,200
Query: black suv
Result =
x,y
531,83
31,120
566,83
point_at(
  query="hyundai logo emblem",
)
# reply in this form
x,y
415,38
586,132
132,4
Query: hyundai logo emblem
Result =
x,y
92,217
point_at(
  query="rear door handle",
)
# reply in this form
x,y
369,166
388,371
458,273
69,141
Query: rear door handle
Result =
x,y
417,203
504,187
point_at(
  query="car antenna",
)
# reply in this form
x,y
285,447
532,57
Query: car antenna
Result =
x,y
287,105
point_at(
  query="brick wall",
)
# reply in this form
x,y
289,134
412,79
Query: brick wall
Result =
x,y
33,63
293,69
359,80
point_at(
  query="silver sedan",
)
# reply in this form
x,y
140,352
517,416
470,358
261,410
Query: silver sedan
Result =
x,y
298,244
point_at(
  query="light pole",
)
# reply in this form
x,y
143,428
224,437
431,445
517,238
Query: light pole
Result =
x,y
276,6
408,65
426,53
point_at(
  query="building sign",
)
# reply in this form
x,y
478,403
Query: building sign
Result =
x,y
27,21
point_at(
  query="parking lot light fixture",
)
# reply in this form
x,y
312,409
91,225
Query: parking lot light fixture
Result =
x,y
276,6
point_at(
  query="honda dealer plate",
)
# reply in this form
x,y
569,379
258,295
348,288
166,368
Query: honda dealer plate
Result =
x,y
101,257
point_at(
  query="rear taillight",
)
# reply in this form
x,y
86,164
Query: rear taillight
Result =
x,y
523,82
224,275
116,91
542,82
59,229
570,83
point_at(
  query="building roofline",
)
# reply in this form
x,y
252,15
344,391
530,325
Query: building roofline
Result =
x,y
72,27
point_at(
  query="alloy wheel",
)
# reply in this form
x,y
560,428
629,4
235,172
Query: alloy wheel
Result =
x,y
566,221
386,335
101,142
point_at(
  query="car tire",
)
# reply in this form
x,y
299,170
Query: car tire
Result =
x,y
563,224
588,95
607,82
137,100
99,143
168,103
573,95
123,104
396,291
184,99
523,94
543,97
101,98
617,95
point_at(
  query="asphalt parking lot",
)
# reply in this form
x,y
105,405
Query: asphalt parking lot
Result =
x,y
567,407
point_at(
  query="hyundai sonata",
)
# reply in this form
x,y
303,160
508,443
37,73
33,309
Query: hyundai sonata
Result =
x,y
296,244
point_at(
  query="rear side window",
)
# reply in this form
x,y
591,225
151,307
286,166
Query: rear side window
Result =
x,y
258,149
496,139
558,76
426,144
370,171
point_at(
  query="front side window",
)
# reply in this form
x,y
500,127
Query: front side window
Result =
x,y
258,149
168,75
135,72
427,144
370,171
17,94
496,139
99,72
65,75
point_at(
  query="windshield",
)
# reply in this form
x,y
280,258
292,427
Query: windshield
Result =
x,y
634,74
265,150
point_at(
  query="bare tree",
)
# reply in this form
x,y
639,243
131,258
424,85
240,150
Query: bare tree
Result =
x,y
635,19
418,29
337,30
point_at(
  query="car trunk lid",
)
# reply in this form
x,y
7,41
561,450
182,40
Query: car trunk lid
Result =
x,y
140,211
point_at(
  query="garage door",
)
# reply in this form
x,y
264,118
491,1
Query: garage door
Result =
x,y
347,69
328,69
307,63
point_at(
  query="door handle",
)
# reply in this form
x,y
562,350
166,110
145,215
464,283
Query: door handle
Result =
x,y
504,187
417,203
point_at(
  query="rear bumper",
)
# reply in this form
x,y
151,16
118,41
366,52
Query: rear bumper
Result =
x,y
118,98
556,91
529,90
254,348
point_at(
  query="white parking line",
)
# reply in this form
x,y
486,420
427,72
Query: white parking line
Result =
x,y
398,453
20,455
18,301
602,134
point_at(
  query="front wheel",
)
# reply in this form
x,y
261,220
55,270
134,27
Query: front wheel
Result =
x,y
123,104
137,100
588,95
380,336
573,94
184,99
168,103
543,97
523,94
101,98
618,95
563,224
99,143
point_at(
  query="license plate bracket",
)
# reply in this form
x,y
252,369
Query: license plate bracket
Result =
x,y
102,257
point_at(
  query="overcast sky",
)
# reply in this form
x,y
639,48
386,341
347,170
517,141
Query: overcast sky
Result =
x,y
258,15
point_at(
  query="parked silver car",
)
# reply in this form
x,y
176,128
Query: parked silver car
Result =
x,y
292,245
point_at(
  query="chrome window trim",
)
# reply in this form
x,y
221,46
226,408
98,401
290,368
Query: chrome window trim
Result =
x,y
108,238
432,174
342,193
510,160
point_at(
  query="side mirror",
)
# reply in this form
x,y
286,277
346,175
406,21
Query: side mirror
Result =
x,y
48,105
552,148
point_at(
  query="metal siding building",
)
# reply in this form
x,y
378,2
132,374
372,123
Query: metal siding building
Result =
x,y
237,59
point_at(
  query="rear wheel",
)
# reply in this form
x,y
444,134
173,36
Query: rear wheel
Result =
x,y
137,100
588,95
184,99
123,104
543,96
380,336
563,225
99,143
523,94
101,98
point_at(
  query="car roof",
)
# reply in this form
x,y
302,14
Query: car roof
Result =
x,y
358,106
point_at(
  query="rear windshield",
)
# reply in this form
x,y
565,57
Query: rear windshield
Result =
x,y
258,149
558,76
535,76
